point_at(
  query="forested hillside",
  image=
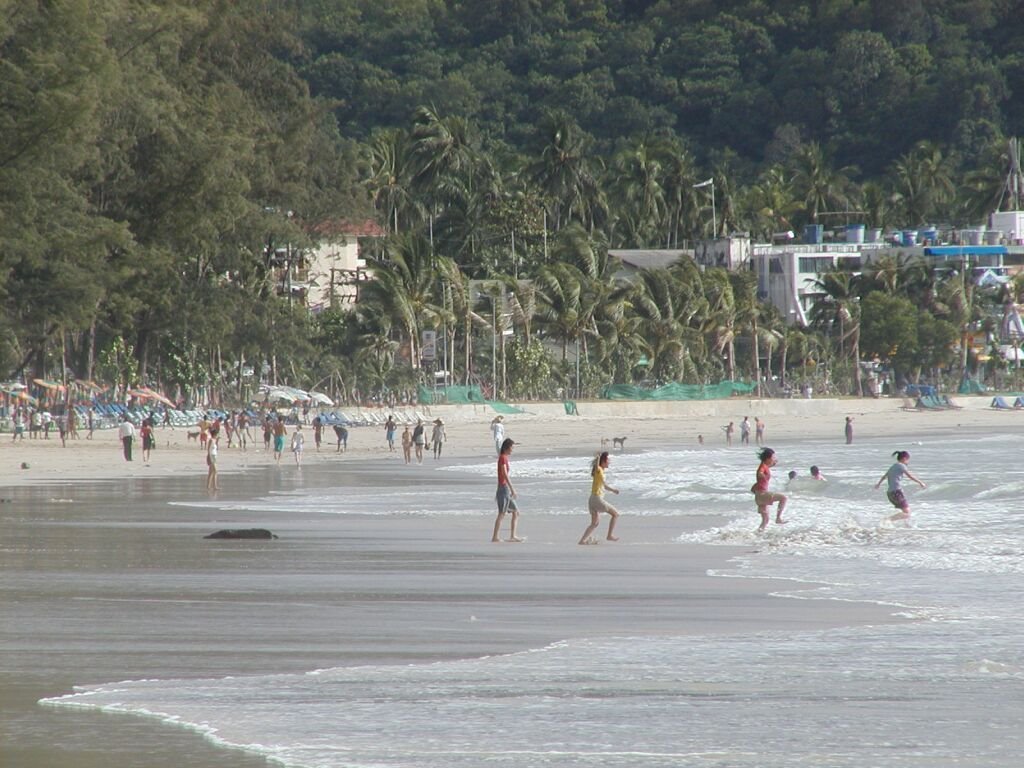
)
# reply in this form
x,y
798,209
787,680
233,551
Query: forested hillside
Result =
x,y
154,154
743,78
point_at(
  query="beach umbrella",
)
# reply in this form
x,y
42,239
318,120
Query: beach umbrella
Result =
x,y
320,397
152,394
46,384
145,393
281,394
88,384
24,396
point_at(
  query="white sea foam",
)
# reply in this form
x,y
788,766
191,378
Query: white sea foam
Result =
x,y
945,691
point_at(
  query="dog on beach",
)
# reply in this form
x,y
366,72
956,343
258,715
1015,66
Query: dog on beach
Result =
x,y
193,435
617,442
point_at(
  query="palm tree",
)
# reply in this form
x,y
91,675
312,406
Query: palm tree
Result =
x,y
441,147
405,285
721,317
984,187
817,183
923,182
563,171
665,310
390,178
744,291
677,180
772,203
640,199
560,309
839,305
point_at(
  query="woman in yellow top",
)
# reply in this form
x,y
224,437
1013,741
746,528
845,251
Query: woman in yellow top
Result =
x,y
597,504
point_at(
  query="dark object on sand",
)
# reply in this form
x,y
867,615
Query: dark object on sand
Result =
x,y
243,533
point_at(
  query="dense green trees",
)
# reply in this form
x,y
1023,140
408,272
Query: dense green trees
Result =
x,y
157,157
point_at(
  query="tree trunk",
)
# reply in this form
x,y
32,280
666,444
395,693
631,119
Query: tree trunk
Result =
x,y
757,358
782,363
856,363
90,362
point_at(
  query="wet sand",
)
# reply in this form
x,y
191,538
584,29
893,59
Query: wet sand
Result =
x,y
105,580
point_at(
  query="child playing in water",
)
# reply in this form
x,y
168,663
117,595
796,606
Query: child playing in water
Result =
x,y
763,497
596,504
895,475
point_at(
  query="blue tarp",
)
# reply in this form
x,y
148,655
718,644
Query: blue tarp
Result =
x,y
965,250
920,390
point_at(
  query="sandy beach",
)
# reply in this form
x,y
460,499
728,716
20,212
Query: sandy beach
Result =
x,y
103,580
542,427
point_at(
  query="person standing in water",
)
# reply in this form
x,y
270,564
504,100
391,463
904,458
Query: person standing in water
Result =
x,y
211,464
895,475
763,497
848,430
298,443
506,494
596,504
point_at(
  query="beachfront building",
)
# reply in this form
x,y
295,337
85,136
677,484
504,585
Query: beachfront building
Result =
x,y
335,268
788,272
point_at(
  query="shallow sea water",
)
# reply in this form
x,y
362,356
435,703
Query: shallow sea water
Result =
x,y
943,690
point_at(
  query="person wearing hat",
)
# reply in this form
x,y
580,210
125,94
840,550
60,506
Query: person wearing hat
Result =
x,y
498,432
438,437
506,494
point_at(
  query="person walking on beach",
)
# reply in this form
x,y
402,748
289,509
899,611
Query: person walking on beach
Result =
x,y
389,432
895,475
19,425
341,432
498,431
758,431
268,431
127,434
849,430
729,429
596,503
318,431
763,497
437,437
279,434
745,431
148,441
211,463
298,441
407,445
506,494
419,440
244,436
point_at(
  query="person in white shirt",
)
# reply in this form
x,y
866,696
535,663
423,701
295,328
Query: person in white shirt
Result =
x,y
211,463
298,441
127,433
498,432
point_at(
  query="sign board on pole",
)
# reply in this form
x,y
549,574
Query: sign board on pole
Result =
x,y
428,346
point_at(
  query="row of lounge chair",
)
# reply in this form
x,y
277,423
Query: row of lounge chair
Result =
x,y
930,403
373,418
1001,404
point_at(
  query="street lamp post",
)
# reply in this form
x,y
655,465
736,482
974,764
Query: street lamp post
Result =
x,y
714,216
494,350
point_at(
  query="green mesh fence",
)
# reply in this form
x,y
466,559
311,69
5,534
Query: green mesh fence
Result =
x,y
971,387
462,396
674,391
